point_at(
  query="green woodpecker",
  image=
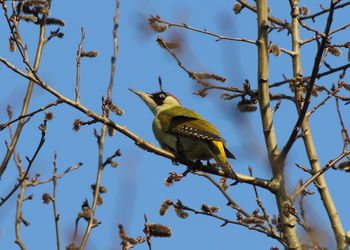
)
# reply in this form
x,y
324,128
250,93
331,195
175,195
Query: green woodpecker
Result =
x,y
184,132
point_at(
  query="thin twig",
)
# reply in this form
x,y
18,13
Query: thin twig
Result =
x,y
219,37
318,76
54,199
275,20
318,173
325,10
259,202
231,202
77,79
226,221
19,219
115,49
330,33
30,163
101,138
4,125
344,131
322,102
36,182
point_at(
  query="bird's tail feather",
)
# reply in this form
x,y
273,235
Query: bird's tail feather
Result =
x,y
221,159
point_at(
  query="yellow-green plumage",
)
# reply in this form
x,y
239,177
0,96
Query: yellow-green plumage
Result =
x,y
184,132
203,141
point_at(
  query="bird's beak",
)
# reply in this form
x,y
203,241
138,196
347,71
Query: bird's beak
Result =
x,y
139,93
144,96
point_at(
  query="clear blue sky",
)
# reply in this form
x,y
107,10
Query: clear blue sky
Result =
x,y
136,186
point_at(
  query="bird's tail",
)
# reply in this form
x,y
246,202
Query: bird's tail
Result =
x,y
221,159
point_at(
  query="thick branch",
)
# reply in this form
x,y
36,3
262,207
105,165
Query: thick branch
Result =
x,y
311,83
138,140
40,46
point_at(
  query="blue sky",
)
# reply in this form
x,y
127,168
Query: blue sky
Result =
x,y
136,186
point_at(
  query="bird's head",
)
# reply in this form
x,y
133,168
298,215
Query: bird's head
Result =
x,y
158,101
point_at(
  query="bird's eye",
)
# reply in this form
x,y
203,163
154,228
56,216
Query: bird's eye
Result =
x,y
161,96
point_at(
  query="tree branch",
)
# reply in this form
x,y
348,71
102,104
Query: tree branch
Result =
x,y
318,173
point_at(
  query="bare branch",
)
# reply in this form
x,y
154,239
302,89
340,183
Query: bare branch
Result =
x,y
325,10
16,34
272,19
219,37
30,162
54,199
77,80
4,125
311,83
318,173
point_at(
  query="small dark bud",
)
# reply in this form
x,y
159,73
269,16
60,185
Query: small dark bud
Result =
x,y
275,50
116,110
304,11
9,111
102,189
48,116
99,201
125,237
314,92
91,53
114,164
111,131
76,125
214,209
12,46
29,19
164,207
205,208
43,127
245,107
46,198
72,246
201,93
60,35
211,76
26,223
158,230
237,7
172,45
223,183
256,211
54,21
180,212
334,51
30,197
169,181
155,26
345,166
252,220
118,152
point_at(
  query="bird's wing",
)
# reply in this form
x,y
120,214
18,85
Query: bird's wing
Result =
x,y
183,121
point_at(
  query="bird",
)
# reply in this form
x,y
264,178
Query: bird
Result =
x,y
184,132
